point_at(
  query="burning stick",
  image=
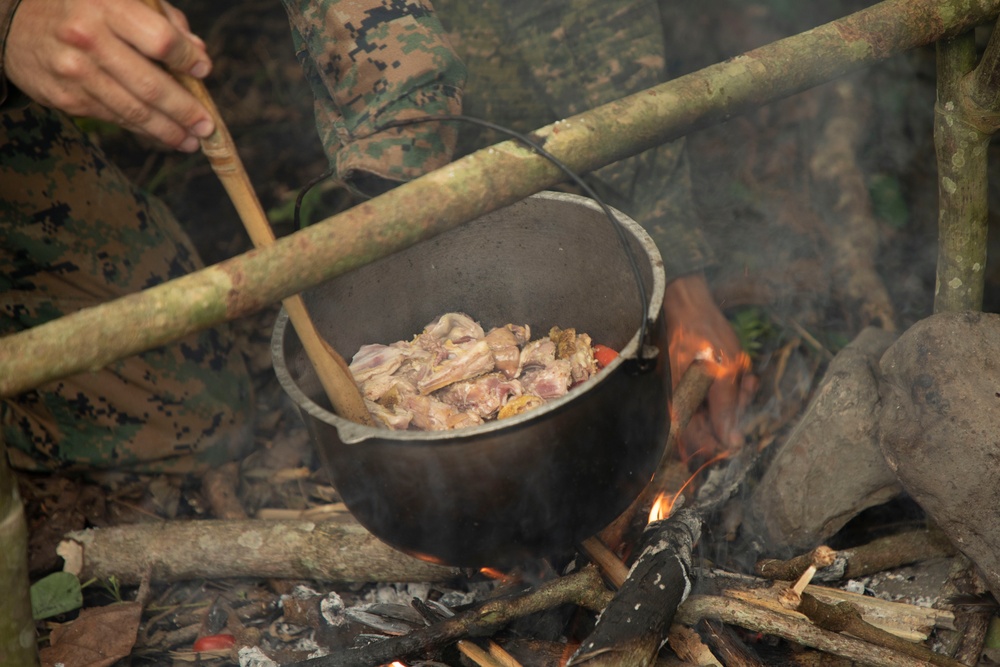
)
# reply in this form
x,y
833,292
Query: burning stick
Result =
x,y
632,628
689,394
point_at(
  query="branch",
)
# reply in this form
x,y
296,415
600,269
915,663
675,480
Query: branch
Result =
x,y
333,550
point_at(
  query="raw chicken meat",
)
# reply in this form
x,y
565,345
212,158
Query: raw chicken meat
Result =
x,y
453,374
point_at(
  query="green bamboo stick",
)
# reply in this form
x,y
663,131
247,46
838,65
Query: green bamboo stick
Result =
x,y
961,149
967,114
479,183
17,628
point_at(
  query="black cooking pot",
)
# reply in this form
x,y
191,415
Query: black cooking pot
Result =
x,y
526,486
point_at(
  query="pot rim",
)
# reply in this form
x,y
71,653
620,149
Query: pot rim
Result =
x,y
352,433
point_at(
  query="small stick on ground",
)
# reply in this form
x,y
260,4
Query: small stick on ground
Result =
x,y
793,568
791,627
609,564
846,618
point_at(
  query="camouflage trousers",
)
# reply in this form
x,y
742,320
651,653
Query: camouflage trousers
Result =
x,y
74,232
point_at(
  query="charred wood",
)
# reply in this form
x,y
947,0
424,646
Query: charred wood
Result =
x,y
633,627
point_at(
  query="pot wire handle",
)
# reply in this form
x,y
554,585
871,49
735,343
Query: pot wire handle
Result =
x,y
647,353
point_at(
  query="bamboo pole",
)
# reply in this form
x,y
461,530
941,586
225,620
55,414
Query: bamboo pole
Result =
x,y
967,114
17,628
484,181
962,208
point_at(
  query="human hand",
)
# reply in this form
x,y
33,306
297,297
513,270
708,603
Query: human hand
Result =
x,y
695,324
95,58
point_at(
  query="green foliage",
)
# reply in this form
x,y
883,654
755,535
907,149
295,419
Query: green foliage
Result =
x,y
113,587
754,328
55,594
888,201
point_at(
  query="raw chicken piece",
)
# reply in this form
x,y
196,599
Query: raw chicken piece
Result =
x,y
430,414
453,375
506,350
456,327
465,360
549,381
375,359
483,395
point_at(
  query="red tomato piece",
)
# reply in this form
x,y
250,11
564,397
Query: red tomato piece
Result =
x,y
604,354
214,642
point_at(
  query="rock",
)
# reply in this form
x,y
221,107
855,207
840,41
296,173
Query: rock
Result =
x,y
830,467
940,428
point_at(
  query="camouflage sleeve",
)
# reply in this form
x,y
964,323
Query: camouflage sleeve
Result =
x,y
370,62
7,8
594,55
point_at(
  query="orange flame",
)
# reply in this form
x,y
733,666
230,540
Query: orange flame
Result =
x,y
687,346
493,573
663,504
661,507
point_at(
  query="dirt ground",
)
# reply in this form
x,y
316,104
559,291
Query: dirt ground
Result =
x,y
763,213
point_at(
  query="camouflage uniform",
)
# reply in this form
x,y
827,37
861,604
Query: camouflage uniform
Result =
x,y
74,233
529,62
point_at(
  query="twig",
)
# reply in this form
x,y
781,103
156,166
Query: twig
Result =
x,y
609,564
877,556
792,628
788,570
846,618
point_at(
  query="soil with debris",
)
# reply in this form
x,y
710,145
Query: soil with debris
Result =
x,y
764,211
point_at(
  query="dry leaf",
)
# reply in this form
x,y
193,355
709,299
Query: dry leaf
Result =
x,y
97,638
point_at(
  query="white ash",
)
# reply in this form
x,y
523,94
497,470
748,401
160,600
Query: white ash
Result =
x,y
332,609
254,657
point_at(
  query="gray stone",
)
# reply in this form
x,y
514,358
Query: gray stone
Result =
x,y
939,428
829,468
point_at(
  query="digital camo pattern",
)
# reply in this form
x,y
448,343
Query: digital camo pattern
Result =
x,y
370,62
74,233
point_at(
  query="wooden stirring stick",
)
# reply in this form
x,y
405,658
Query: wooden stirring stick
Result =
x,y
220,149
